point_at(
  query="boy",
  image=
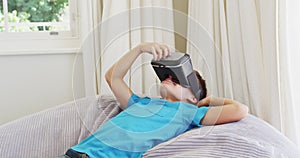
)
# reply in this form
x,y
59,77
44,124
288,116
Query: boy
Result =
x,y
146,122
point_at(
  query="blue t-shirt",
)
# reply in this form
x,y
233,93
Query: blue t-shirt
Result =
x,y
145,123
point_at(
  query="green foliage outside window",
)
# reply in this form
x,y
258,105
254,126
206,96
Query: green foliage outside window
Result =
x,y
33,11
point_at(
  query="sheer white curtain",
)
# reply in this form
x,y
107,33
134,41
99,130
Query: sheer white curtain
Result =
x,y
291,39
90,17
123,25
236,47
128,23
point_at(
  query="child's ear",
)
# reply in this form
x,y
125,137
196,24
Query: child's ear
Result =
x,y
192,99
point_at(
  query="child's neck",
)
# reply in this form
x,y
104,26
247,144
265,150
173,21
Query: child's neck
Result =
x,y
172,99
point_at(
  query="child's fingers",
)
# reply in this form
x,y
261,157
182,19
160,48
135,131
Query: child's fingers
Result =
x,y
166,52
204,102
201,103
159,52
153,51
169,50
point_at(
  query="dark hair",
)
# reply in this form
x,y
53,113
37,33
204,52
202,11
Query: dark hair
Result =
x,y
201,82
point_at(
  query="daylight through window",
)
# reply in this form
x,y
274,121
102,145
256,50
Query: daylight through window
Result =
x,y
34,15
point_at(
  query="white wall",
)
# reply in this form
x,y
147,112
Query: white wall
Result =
x,y
31,83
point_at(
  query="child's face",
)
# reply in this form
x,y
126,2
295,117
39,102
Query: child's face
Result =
x,y
173,91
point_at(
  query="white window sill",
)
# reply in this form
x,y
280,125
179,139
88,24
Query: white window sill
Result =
x,y
40,52
29,45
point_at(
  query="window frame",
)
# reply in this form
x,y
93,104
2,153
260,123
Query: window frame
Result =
x,y
41,42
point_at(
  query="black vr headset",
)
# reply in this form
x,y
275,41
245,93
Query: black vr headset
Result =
x,y
179,67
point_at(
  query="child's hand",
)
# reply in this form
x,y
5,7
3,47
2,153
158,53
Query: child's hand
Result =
x,y
211,101
204,101
158,50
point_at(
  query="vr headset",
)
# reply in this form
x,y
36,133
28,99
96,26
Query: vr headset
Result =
x,y
179,67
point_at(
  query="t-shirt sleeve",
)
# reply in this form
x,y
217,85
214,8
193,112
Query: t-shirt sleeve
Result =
x,y
199,115
132,100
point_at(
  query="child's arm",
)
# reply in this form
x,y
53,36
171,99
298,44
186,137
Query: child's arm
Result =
x,y
114,76
223,110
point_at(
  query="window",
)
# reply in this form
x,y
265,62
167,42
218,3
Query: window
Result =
x,y
1,17
34,24
34,15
